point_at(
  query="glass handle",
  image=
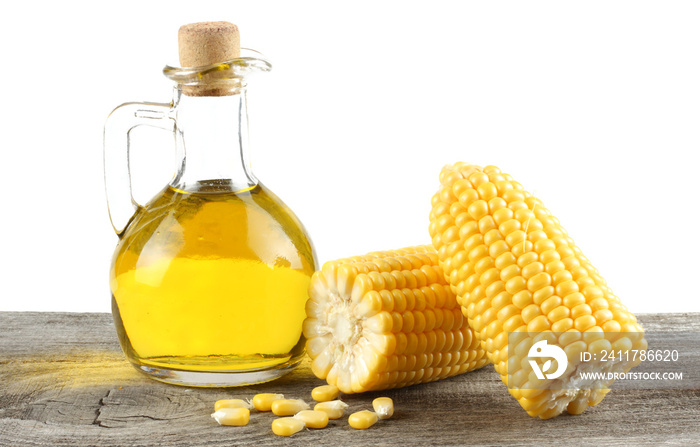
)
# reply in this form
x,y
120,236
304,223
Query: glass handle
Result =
x,y
120,200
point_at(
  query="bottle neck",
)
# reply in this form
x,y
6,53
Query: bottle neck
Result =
x,y
212,143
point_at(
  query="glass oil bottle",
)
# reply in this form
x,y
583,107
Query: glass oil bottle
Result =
x,y
209,278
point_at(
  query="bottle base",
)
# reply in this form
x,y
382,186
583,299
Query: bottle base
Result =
x,y
215,379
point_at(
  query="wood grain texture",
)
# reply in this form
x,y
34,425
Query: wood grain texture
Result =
x,y
65,382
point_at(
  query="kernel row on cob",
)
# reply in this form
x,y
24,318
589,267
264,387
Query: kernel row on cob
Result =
x,y
385,320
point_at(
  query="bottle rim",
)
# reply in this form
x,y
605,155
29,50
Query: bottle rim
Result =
x,y
233,71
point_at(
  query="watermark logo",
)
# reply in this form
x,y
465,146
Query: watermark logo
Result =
x,y
542,350
576,361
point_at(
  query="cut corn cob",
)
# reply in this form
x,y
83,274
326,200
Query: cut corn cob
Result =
x,y
515,269
386,320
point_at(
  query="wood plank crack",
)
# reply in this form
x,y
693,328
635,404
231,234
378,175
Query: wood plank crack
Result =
x,y
135,405
98,411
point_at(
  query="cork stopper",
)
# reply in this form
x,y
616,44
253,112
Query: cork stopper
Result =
x,y
207,43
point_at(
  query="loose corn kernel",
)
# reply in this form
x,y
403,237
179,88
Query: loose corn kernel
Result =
x,y
367,314
263,401
313,418
237,417
325,393
384,407
288,407
287,426
363,419
334,408
232,403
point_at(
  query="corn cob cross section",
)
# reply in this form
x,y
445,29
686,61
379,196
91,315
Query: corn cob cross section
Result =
x,y
387,320
514,269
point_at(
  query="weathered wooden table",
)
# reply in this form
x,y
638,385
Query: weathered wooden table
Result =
x,y
65,382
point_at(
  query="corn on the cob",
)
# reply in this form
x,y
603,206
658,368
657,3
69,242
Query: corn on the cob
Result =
x,y
515,269
386,320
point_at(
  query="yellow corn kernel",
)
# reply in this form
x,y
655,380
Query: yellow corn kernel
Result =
x,y
530,277
325,393
384,407
263,401
232,403
383,320
363,419
313,418
288,407
334,408
237,417
287,426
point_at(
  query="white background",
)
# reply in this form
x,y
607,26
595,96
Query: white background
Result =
x,y
593,106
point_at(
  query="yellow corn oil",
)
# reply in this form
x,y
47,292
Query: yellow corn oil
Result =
x,y
193,287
